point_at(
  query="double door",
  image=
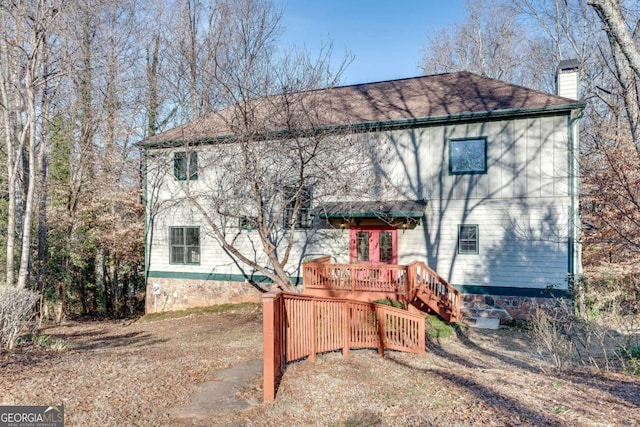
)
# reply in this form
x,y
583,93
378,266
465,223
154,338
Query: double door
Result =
x,y
373,245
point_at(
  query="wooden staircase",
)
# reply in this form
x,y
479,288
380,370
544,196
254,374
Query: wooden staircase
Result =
x,y
431,293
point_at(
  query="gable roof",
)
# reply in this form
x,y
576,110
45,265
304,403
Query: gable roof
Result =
x,y
393,103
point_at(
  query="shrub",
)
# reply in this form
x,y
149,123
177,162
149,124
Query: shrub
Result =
x,y
16,310
551,333
595,329
390,302
45,342
438,328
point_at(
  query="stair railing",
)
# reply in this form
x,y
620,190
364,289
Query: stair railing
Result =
x,y
439,294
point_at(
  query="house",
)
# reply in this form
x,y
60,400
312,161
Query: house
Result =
x,y
475,177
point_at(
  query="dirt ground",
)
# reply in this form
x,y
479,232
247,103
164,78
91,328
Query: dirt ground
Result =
x,y
136,374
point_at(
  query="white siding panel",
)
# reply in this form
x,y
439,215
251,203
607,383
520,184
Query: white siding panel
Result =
x,y
547,157
561,156
520,158
533,162
507,164
522,243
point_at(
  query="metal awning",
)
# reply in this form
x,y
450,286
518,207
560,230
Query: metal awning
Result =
x,y
372,209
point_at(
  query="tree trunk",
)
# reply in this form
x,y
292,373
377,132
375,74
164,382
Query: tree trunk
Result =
x,y
25,251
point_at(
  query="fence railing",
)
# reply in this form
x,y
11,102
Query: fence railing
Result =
x,y
321,274
297,326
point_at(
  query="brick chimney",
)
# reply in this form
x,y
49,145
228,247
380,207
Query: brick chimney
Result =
x,y
568,83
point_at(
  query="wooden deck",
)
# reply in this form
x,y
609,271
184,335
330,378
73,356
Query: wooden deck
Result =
x,y
414,284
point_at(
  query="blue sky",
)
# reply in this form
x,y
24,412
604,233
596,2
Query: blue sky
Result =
x,y
387,37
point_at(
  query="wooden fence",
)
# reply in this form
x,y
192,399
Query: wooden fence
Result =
x,y
297,326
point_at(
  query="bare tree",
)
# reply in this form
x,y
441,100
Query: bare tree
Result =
x,y
489,41
273,155
26,29
625,58
617,29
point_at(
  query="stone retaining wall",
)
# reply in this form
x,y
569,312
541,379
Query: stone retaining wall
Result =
x,y
180,294
500,306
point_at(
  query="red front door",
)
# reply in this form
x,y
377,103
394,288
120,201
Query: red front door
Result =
x,y
376,245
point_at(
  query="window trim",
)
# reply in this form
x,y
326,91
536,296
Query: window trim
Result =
x,y
190,169
470,172
305,211
184,245
247,223
460,240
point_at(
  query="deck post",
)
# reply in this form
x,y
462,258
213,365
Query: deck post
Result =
x,y
313,323
346,329
269,346
381,330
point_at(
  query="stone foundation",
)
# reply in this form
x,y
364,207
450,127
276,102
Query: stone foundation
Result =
x,y
180,294
505,308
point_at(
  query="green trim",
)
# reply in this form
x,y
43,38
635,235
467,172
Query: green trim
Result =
x,y
450,142
513,292
572,240
146,217
185,227
190,165
381,125
219,277
394,214
477,251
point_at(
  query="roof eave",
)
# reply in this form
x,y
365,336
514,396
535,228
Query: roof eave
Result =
x,y
572,108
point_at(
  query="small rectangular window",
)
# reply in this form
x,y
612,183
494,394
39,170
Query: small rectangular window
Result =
x,y
184,245
301,201
183,163
247,223
467,156
468,242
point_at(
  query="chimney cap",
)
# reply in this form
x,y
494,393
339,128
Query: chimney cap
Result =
x,y
568,65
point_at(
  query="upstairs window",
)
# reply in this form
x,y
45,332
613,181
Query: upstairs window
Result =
x,y
467,156
468,242
183,163
184,245
303,218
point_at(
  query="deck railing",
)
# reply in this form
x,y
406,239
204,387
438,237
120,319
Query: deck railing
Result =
x,y
373,281
430,287
298,326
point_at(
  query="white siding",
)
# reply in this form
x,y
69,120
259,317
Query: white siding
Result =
x,y
520,206
521,243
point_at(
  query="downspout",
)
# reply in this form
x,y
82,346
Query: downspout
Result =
x,y
574,258
146,218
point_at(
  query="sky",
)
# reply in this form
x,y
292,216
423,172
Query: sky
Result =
x,y
386,37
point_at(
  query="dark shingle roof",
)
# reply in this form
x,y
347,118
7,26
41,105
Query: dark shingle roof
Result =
x,y
442,97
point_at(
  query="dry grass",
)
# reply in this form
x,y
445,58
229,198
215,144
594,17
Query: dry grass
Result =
x,y
119,374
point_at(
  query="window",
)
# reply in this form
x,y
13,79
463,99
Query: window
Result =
x,y
467,156
183,163
184,245
362,245
303,219
385,243
247,223
468,239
